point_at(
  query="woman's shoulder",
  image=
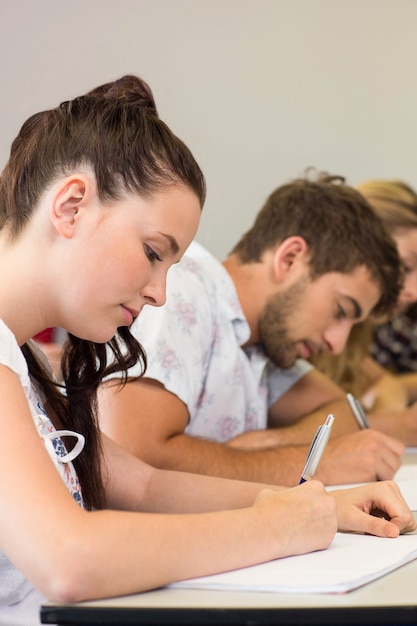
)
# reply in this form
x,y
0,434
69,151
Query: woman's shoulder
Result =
x,y
12,357
10,353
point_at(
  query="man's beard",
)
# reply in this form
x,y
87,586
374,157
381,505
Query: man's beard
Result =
x,y
273,325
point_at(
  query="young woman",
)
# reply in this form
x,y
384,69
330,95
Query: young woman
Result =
x,y
98,199
394,344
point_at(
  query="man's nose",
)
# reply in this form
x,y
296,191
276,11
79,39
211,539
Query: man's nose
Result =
x,y
337,335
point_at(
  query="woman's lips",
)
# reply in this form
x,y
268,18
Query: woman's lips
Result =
x,y
130,314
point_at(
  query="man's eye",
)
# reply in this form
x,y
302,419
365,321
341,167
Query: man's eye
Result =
x,y
152,255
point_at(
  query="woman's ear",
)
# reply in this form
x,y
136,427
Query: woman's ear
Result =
x,y
290,258
68,198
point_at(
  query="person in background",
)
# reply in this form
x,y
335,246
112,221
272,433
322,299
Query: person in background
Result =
x,y
376,353
394,344
228,390
394,347
100,198
50,341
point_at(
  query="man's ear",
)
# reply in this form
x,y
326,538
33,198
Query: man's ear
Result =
x,y
290,258
67,200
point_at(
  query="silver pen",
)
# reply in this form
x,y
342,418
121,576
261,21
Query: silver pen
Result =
x,y
358,411
316,449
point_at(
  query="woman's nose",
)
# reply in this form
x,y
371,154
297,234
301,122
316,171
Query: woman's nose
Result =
x,y
409,291
155,293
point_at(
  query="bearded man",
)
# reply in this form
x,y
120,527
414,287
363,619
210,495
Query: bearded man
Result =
x,y
228,390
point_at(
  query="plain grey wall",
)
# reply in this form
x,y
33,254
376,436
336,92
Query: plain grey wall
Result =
x,y
259,89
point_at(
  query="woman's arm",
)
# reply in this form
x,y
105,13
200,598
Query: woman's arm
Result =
x,y
158,490
174,491
409,382
385,391
71,554
386,401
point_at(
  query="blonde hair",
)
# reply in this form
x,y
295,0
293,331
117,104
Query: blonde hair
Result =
x,y
345,368
393,201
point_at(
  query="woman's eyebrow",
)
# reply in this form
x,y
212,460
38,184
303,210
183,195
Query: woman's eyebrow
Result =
x,y
356,307
173,244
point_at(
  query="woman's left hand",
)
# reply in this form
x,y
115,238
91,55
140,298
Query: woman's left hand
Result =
x,y
376,509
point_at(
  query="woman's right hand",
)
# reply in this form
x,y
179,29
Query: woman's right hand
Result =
x,y
304,517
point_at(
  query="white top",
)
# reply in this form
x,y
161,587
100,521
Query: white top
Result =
x,y
19,602
193,344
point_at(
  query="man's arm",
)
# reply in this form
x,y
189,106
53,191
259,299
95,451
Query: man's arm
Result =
x,y
295,416
149,422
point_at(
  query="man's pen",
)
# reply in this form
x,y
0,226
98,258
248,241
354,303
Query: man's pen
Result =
x,y
316,449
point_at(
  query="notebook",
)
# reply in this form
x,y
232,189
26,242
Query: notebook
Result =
x,y
350,562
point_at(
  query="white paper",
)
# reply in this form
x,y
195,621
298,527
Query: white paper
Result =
x,y
407,471
350,562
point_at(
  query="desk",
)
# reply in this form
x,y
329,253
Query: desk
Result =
x,y
389,600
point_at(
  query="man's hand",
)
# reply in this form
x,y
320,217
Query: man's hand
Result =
x,y
360,457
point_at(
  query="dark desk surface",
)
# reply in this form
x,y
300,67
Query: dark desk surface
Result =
x,y
391,600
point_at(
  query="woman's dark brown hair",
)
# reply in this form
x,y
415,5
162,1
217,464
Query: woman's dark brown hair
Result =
x,y
115,131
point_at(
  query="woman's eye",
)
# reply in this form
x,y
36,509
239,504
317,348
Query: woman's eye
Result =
x,y
152,255
341,313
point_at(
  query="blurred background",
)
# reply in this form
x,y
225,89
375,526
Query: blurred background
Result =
x,y
258,89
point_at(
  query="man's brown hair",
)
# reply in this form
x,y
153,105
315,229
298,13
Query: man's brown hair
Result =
x,y
340,227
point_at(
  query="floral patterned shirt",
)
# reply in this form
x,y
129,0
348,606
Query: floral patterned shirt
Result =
x,y
193,344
